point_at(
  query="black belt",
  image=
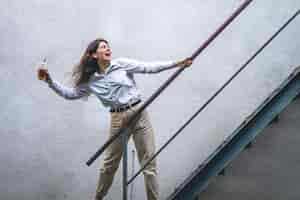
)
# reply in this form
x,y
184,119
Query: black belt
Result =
x,y
125,107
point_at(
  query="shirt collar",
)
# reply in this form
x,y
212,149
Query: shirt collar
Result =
x,y
97,74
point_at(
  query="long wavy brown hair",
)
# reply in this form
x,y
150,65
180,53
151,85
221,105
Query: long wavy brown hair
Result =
x,y
87,65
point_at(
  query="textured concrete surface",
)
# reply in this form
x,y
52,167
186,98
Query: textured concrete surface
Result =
x,y
46,140
270,169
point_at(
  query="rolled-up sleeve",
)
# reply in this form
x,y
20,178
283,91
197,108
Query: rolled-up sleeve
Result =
x,y
135,66
70,93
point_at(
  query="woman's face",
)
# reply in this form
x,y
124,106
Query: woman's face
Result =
x,y
103,52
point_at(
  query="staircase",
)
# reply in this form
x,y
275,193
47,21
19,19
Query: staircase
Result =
x,y
240,139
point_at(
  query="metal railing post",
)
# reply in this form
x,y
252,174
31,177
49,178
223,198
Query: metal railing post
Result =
x,y
124,138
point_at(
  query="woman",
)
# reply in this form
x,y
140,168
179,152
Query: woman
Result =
x,y
112,81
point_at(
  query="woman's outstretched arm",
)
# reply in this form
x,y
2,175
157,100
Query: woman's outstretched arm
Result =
x,y
70,93
135,66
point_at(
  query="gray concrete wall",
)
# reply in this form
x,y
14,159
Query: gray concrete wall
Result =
x,y
45,140
270,169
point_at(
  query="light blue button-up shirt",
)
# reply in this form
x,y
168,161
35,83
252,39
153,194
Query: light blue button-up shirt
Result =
x,y
116,86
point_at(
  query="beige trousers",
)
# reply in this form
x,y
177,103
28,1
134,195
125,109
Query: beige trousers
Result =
x,y
143,137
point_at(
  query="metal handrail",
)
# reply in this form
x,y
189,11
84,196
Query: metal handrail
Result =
x,y
124,130
160,89
216,93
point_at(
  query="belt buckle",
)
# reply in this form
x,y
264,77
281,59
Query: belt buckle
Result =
x,y
131,105
124,107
